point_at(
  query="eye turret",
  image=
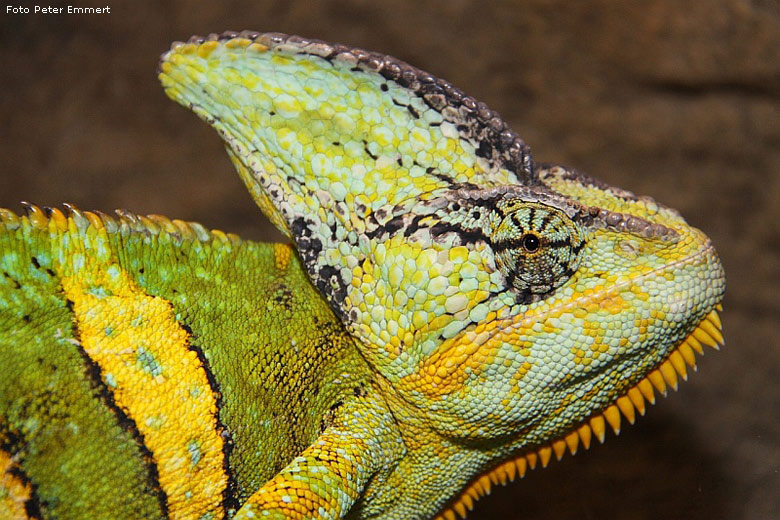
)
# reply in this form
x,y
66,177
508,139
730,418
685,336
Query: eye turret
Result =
x,y
537,246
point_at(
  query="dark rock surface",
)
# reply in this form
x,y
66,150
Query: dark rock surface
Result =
x,y
680,101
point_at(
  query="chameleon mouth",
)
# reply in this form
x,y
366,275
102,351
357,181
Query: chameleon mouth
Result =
x,y
663,376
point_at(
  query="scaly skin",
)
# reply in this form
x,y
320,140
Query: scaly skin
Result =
x,y
122,338
488,312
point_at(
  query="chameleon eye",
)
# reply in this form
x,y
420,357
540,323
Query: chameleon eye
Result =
x,y
531,242
537,247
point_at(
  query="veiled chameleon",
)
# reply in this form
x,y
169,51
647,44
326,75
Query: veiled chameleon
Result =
x,y
450,314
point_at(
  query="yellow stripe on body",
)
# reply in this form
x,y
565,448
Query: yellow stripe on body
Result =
x,y
157,381
14,491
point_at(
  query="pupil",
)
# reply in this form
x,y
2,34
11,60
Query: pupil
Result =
x,y
530,243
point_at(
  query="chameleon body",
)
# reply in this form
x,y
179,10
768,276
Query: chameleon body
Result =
x,y
451,315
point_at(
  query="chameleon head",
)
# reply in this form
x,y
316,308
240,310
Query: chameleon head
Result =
x,y
495,297
541,305
592,289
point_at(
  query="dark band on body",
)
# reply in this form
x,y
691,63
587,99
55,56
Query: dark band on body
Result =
x,y
229,494
95,376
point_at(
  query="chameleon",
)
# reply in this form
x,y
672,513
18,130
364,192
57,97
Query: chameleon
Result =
x,y
447,315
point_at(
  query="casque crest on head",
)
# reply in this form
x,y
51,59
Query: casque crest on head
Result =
x,y
416,210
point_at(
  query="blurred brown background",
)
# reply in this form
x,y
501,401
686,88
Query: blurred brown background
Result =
x,y
678,100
